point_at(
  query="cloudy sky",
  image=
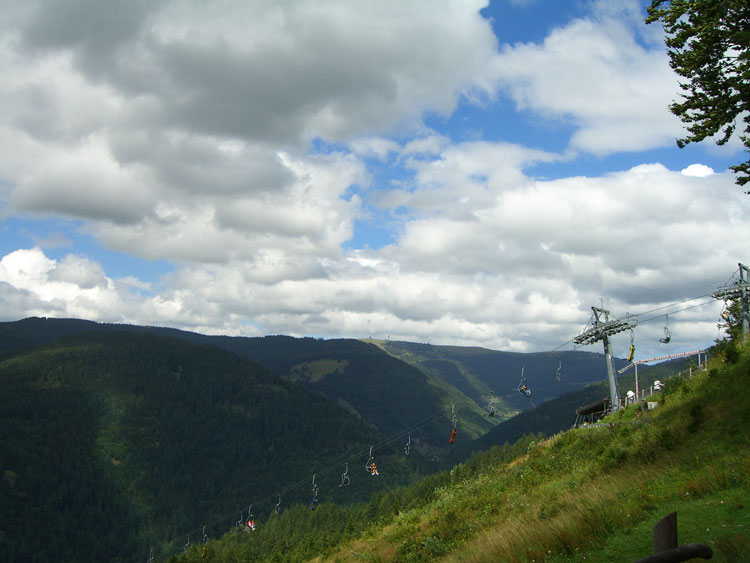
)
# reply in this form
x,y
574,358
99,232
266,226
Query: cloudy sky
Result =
x,y
451,172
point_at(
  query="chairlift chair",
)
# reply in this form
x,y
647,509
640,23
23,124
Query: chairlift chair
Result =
x,y
370,466
631,354
345,480
314,503
491,408
522,388
667,335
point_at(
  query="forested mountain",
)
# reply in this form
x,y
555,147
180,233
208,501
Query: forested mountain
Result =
x,y
391,391
376,387
483,374
118,439
115,441
590,494
381,390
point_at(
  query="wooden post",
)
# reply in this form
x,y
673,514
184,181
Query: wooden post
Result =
x,y
665,544
665,533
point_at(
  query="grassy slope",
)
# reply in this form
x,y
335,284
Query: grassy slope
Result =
x,y
595,493
559,414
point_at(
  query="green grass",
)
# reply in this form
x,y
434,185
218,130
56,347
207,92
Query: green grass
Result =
x,y
591,494
594,494
720,520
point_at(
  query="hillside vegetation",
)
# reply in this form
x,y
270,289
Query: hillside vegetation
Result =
x,y
486,375
115,442
588,494
558,414
386,384
375,387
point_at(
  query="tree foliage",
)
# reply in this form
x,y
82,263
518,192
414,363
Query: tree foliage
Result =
x,y
384,392
115,442
708,43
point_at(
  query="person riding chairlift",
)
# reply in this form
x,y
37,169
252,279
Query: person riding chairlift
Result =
x,y
453,436
374,470
525,390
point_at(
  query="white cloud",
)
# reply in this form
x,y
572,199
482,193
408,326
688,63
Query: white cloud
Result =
x,y
519,273
84,181
699,170
374,147
191,132
593,74
274,71
178,130
73,287
78,271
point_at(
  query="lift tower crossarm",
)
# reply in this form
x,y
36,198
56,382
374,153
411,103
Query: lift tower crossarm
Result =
x,y
602,328
738,290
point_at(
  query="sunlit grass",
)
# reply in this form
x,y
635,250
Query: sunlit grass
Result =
x,y
594,494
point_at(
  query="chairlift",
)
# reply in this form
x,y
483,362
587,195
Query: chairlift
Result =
x,y
726,316
558,371
204,548
238,523
277,508
522,388
251,519
345,480
667,334
407,447
370,466
455,420
631,354
491,408
314,503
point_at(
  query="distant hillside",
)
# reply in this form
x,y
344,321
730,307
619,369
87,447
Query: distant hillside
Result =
x,y
381,390
113,441
559,414
594,494
591,494
483,374
360,377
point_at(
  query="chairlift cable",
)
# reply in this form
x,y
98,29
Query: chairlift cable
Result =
x,y
427,420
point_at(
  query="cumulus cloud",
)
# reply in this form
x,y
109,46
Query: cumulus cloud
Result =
x,y
32,284
73,287
273,71
78,271
519,273
594,74
246,143
699,170
179,130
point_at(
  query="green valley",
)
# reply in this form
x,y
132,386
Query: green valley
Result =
x,y
120,442
589,494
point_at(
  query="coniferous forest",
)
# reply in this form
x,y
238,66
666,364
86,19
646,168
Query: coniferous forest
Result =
x,y
120,443
116,441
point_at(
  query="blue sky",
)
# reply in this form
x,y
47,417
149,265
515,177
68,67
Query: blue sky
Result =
x,y
473,174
